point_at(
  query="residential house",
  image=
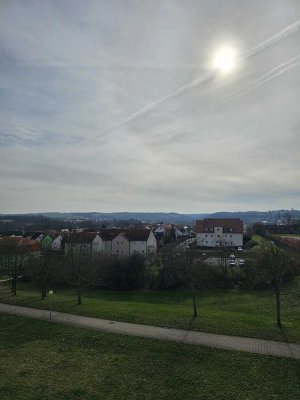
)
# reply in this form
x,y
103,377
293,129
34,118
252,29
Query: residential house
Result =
x,y
20,244
227,232
89,241
107,236
120,245
34,235
57,243
46,241
135,241
167,231
142,241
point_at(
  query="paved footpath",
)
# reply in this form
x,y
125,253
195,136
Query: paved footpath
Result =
x,y
259,346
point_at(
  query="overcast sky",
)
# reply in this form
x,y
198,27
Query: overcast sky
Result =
x,y
116,105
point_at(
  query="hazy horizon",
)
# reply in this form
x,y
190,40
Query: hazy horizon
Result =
x,y
150,212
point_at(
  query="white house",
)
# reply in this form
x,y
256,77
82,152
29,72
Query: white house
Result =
x,y
226,232
142,241
83,241
120,245
56,244
133,241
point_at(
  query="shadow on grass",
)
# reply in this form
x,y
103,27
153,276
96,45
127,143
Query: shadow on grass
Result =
x,y
286,339
189,327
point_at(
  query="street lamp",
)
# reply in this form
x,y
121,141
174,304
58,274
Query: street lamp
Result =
x,y
50,304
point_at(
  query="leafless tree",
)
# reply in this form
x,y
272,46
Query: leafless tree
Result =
x,y
188,266
273,266
12,260
79,264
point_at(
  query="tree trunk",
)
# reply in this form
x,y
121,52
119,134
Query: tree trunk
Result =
x,y
79,295
44,292
14,286
194,305
278,308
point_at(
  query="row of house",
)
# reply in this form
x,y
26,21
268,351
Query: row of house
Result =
x,y
116,242
19,244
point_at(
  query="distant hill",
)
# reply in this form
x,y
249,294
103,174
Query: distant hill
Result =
x,y
57,220
256,216
172,218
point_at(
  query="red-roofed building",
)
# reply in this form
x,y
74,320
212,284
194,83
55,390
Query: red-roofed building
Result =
x,y
218,232
18,244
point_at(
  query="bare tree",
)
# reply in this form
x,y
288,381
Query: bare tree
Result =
x,y
188,266
78,265
12,260
40,269
273,266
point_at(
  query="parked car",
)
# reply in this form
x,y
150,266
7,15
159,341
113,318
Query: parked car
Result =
x,y
232,256
240,248
241,262
231,262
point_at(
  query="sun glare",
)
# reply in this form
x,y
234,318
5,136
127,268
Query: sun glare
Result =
x,y
225,59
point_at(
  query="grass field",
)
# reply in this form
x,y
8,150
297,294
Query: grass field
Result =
x,y
41,361
224,311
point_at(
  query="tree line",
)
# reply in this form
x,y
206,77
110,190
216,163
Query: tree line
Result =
x,y
270,267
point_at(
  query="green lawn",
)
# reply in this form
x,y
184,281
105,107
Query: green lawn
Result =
x,y
43,361
225,311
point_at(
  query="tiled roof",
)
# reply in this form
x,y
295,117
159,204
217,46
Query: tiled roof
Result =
x,y
32,235
22,244
81,237
109,234
137,235
234,223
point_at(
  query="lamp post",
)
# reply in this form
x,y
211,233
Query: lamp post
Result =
x,y
50,304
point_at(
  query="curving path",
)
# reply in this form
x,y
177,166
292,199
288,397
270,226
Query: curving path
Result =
x,y
251,345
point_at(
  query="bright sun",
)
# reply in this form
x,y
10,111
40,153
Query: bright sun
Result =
x,y
225,59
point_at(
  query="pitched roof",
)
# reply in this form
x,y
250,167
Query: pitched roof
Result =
x,y
137,235
234,223
32,235
109,234
21,244
81,237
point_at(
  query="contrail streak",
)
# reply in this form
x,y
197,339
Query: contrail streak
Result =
x,y
205,77
239,93
267,79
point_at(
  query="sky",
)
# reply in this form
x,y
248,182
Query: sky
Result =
x,y
118,105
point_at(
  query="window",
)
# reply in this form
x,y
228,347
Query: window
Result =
x,y
117,251
212,235
205,235
143,251
117,242
121,243
206,241
230,229
205,229
225,235
230,235
218,235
